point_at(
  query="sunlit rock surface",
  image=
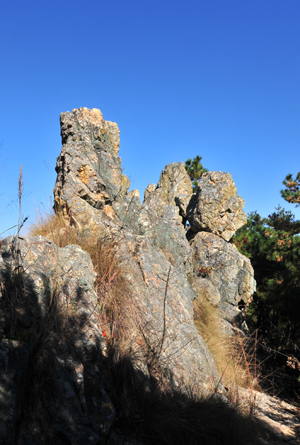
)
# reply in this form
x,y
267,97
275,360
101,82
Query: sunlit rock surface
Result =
x,y
216,207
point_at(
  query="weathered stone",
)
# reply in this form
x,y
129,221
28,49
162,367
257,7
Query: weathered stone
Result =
x,y
174,182
229,271
207,290
51,328
89,172
164,297
126,211
148,190
216,207
167,232
133,193
279,419
160,219
229,330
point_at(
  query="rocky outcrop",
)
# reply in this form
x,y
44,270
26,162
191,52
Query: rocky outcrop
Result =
x,y
89,167
228,272
174,188
216,207
153,249
165,271
89,172
50,341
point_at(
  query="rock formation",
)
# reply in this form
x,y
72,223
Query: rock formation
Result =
x,y
164,269
216,207
49,315
89,168
152,246
228,271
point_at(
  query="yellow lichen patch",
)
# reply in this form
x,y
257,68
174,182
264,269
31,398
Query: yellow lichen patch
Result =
x,y
113,134
133,193
85,173
100,196
125,184
109,212
84,115
97,114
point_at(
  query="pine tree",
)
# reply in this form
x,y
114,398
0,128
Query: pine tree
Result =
x,y
195,170
291,193
273,245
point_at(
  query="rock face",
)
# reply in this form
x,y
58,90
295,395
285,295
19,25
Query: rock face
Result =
x,y
91,191
165,272
216,208
159,217
89,172
164,297
174,186
49,336
228,272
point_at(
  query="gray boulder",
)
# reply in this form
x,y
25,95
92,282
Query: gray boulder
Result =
x,y
216,207
50,336
164,298
230,272
174,188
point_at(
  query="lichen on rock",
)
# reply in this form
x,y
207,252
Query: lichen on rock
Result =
x,y
89,172
216,207
229,272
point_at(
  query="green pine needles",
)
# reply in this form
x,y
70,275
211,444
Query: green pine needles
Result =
x,y
195,170
273,245
291,193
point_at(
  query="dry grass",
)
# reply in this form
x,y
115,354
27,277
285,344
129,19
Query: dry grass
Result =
x,y
235,357
174,417
55,228
118,313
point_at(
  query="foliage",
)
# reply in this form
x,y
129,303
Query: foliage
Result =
x,y
291,193
273,245
195,170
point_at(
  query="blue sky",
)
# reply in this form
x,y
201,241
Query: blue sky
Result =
x,y
218,78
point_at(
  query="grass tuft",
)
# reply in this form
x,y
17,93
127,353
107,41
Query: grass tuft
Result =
x,y
235,357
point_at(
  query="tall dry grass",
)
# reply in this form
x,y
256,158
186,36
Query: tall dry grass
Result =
x,y
235,356
54,227
118,312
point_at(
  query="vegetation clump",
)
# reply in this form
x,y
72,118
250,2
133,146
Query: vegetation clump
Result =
x,y
273,245
195,170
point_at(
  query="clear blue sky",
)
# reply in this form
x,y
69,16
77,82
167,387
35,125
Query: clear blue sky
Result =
x,y
218,78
